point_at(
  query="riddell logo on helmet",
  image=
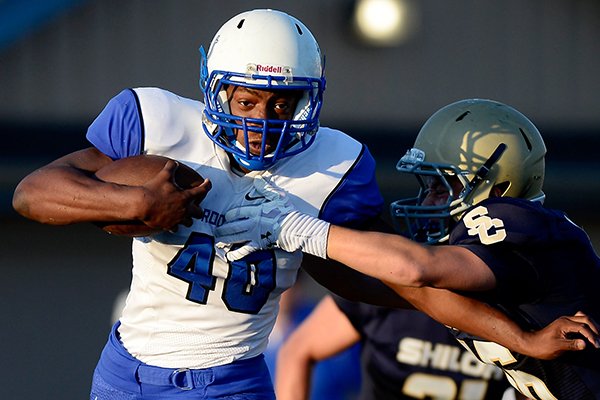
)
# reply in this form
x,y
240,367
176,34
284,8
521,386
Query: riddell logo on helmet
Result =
x,y
269,68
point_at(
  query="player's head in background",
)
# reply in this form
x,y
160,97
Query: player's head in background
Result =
x,y
466,152
257,52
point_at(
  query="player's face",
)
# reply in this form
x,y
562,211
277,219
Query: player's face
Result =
x,y
261,104
438,192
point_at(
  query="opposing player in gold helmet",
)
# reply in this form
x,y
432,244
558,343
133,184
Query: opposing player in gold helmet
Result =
x,y
477,149
481,230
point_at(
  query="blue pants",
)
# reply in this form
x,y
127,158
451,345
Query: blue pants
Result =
x,y
119,376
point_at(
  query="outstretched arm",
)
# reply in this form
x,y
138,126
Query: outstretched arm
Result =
x,y
480,319
390,258
417,273
66,191
397,260
452,309
383,256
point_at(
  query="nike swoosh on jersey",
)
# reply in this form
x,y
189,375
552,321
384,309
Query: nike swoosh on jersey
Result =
x,y
250,198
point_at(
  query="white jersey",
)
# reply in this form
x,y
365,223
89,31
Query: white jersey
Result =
x,y
187,307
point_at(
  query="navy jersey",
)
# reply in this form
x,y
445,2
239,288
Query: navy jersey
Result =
x,y
545,267
407,355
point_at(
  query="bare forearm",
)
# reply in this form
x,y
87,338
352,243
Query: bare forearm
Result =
x,y
75,197
467,315
389,258
407,267
351,284
399,261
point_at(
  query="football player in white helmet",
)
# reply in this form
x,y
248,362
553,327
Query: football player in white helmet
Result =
x,y
288,62
480,166
194,324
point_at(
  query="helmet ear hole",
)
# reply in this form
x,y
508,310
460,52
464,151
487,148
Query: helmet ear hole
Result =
x,y
500,189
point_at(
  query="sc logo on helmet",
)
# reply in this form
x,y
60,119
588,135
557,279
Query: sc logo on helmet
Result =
x,y
479,223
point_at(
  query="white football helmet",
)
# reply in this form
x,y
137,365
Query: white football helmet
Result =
x,y
269,50
486,145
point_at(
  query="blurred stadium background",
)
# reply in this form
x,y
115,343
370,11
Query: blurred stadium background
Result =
x,y
62,60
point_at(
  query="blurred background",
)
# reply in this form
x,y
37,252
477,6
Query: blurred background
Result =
x,y
62,60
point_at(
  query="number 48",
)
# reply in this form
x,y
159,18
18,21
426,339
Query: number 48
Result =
x,y
247,286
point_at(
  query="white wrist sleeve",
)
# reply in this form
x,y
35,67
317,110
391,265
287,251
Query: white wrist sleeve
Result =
x,y
303,232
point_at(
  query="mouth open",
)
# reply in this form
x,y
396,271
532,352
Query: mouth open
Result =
x,y
256,147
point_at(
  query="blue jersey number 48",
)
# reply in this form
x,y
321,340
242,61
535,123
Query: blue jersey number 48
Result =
x,y
248,283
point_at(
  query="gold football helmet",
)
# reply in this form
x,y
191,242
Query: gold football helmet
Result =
x,y
492,149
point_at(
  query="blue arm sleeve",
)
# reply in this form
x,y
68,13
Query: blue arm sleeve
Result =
x,y
118,130
357,199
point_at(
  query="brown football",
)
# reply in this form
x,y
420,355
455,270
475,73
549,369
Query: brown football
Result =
x,y
136,171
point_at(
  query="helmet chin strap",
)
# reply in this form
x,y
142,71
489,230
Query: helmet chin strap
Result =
x,y
485,168
251,164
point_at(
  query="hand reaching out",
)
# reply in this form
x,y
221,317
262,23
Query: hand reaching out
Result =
x,y
569,333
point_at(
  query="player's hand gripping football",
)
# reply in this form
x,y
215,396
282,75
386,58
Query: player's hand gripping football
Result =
x,y
273,222
570,333
167,205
